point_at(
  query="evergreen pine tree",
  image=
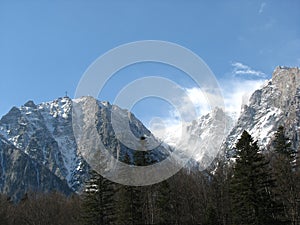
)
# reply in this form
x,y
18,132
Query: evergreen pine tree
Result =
x,y
164,203
218,188
98,203
91,205
132,200
282,145
139,193
252,186
211,217
124,197
284,168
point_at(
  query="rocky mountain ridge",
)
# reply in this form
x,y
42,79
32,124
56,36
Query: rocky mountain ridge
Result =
x,y
39,144
39,149
276,103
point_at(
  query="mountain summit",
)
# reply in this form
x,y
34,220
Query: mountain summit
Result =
x,y
276,103
41,150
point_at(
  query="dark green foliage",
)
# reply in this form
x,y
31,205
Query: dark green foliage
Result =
x,y
211,216
130,205
252,183
241,193
282,144
219,208
165,203
41,209
131,199
124,207
137,203
284,167
139,194
98,204
91,207
124,195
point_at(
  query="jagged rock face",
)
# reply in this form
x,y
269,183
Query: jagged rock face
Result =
x,y
40,142
39,149
44,132
275,104
202,138
19,173
211,129
118,129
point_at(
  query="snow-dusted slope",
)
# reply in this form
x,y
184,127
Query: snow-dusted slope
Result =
x,y
275,104
202,138
38,146
119,130
19,173
45,134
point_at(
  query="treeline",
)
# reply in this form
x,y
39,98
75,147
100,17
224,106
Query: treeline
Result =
x,y
41,209
256,187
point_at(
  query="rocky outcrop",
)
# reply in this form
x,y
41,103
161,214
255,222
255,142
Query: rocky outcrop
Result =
x,y
40,151
46,147
276,103
20,174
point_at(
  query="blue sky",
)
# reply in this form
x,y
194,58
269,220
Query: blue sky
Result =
x,y
45,46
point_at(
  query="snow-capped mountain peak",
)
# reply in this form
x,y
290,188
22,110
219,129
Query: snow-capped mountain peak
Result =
x,y
206,133
44,133
276,103
39,148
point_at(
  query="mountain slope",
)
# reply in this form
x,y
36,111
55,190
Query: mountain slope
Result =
x,y
45,147
19,173
275,104
44,133
202,138
43,138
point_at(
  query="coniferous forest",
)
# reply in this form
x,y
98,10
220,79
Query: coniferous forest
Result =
x,y
254,187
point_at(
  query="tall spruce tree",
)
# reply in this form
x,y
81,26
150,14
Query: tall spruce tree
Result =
x,y
132,200
282,145
139,193
218,188
252,186
98,202
125,213
284,167
164,203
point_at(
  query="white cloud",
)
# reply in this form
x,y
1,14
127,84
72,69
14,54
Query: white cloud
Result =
x,y
193,104
262,7
236,91
199,99
242,69
239,65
